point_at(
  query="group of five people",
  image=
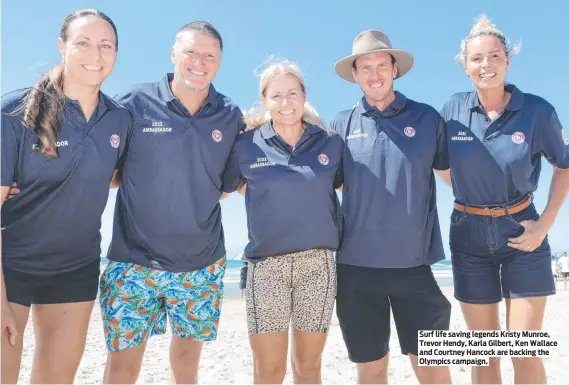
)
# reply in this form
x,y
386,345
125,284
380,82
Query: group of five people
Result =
x,y
176,147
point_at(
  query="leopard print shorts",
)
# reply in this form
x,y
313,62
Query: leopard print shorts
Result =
x,y
300,287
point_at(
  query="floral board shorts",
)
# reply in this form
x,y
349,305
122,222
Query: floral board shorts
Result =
x,y
136,300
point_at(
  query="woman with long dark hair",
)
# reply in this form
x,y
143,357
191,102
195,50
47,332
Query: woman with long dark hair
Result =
x,y
61,142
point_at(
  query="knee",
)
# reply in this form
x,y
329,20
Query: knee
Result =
x,y
121,371
50,368
185,355
188,357
270,371
529,363
303,367
375,369
433,374
493,366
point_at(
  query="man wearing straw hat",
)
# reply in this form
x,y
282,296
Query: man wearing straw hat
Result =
x,y
391,235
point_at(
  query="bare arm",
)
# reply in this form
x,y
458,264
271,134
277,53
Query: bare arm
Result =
x,y
242,188
116,179
445,176
557,194
535,231
8,319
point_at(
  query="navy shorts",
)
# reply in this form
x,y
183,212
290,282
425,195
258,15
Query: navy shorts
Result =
x,y
486,269
80,285
366,297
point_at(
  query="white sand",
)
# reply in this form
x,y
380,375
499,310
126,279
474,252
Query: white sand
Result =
x,y
228,360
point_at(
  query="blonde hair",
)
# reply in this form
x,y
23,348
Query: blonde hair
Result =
x,y
483,26
274,68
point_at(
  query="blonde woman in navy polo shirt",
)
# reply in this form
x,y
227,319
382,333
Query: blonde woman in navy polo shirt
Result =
x,y
61,142
497,136
291,164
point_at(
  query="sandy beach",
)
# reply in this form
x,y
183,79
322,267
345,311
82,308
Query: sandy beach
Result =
x,y
228,360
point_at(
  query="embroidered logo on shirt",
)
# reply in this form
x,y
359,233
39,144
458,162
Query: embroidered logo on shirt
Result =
x,y
518,137
409,131
157,126
356,135
323,159
217,135
462,136
262,162
63,143
115,141
565,138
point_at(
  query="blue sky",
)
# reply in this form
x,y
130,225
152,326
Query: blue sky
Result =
x,y
315,34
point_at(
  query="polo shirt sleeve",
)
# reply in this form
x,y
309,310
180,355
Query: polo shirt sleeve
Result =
x,y
445,111
441,161
127,136
11,138
232,176
123,98
552,141
241,124
336,126
332,126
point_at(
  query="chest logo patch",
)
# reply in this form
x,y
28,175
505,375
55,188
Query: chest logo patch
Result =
x,y
323,159
409,131
115,141
217,136
518,137
565,137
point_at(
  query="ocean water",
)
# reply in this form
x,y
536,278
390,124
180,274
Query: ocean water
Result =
x,y
441,270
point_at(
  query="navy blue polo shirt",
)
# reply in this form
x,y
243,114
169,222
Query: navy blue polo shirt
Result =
x,y
389,206
290,198
167,214
499,161
53,225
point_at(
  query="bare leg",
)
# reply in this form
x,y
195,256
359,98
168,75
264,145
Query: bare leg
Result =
x,y
527,314
12,355
61,333
483,317
306,358
374,372
269,357
184,360
123,366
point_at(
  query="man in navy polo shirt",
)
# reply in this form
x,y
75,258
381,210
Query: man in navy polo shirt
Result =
x,y
167,252
391,232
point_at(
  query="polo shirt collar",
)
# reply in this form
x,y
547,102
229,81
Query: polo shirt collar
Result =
x,y
515,104
267,131
103,105
394,108
166,95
